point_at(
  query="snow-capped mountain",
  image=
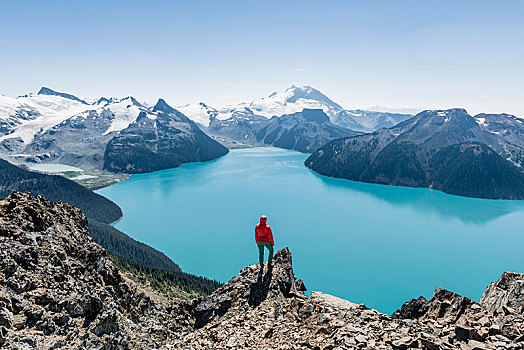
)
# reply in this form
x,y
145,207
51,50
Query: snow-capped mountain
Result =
x,y
58,127
81,139
162,139
293,100
23,117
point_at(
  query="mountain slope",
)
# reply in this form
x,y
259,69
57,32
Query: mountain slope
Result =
x,y
510,129
303,131
13,178
159,140
446,150
239,129
199,113
475,170
121,245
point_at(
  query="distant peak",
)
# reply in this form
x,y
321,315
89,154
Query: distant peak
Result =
x,y
450,110
307,92
301,87
47,91
133,100
162,106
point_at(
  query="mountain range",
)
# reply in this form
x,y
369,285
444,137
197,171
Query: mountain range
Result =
x,y
125,136
293,100
448,150
303,131
117,135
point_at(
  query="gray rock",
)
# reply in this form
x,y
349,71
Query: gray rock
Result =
x,y
508,291
6,318
430,344
108,322
414,308
474,345
3,335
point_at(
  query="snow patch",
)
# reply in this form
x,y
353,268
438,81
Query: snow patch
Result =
x,y
481,121
199,113
53,110
125,112
54,168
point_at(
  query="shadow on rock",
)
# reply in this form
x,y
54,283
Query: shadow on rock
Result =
x,y
258,290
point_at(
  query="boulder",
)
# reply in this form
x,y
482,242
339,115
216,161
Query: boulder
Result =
x,y
447,305
415,308
508,291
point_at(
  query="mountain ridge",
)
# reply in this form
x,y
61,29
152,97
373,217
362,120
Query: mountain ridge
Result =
x,y
78,133
418,151
47,91
292,100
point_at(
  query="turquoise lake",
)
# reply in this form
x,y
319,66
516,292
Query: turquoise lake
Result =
x,y
373,244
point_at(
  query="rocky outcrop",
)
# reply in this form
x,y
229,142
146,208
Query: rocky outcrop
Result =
x,y
494,323
507,293
58,289
266,310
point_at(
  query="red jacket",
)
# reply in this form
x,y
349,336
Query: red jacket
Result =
x,y
263,232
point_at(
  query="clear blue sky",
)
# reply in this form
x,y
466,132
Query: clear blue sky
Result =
x,y
360,53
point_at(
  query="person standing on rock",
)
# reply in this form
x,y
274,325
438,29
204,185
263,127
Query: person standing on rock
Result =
x,y
264,238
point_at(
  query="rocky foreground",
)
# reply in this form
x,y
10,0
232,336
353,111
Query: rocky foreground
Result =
x,y
58,289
